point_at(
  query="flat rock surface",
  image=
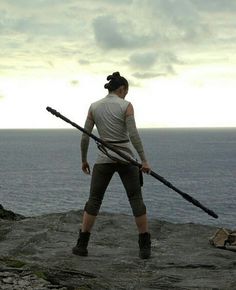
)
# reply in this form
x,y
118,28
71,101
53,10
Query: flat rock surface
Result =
x,y
35,253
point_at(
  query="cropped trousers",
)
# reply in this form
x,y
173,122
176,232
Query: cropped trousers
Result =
x,y
101,176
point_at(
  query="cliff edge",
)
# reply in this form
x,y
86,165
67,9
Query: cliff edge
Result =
x,y
35,253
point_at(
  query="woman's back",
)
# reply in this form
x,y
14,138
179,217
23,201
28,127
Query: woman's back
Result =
x,y
109,117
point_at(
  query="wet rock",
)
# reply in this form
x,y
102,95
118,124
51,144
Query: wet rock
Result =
x,y
38,250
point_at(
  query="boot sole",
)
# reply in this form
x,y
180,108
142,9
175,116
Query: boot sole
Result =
x,y
77,252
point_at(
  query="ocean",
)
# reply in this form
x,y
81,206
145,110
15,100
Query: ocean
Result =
x,y
40,172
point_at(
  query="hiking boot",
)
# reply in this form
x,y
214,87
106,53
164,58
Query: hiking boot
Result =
x,y
144,245
82,244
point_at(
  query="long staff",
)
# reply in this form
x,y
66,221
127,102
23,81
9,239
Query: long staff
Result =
x,y
103,144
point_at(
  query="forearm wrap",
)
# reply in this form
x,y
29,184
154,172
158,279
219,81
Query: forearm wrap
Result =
x,y
85,139
134,137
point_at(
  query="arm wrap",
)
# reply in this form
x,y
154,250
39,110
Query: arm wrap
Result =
x,y
134,137
85,139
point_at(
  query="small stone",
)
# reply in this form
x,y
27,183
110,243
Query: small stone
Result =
x,y
5,274
6,287
8,280
23,283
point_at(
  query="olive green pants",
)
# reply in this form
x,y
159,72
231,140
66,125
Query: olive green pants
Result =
x,y
101,176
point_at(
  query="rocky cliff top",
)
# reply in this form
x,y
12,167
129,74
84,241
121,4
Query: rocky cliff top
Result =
x,y
35,253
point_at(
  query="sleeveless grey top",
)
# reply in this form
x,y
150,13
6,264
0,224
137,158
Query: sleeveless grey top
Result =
x,y
109,117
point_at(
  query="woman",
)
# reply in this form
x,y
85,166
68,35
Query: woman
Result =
x,y
115,122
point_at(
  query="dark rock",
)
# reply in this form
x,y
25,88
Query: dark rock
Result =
x,y
182,257
9,215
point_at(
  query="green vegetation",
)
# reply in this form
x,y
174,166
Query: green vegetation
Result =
x,y
12,262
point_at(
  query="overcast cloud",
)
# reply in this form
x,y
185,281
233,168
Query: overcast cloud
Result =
x,y
155,36
177,52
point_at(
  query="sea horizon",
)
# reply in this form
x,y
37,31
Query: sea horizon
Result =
x,y
40,172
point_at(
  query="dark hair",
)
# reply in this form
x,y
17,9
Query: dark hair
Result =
x,y
115,81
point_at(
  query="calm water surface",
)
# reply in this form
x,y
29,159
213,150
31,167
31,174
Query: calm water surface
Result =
x,y
40,173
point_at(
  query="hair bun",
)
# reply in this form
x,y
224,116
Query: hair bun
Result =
x,y
115,75
115,81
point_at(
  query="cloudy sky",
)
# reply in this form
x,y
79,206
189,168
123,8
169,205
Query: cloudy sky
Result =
x,y
178,55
